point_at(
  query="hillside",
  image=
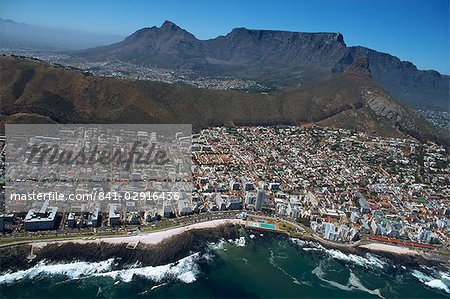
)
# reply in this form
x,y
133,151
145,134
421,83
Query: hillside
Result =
x,y
36,92
278,59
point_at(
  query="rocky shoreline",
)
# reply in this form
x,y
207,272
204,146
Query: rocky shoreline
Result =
x,y
14,258
439,261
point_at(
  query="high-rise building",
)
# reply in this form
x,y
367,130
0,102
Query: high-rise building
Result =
x,y
330,232
260,197
249,198
114,215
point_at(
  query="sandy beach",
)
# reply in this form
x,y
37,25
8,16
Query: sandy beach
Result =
x,y
389,248
146,237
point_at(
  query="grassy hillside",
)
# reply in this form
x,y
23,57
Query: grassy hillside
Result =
x,y
35,92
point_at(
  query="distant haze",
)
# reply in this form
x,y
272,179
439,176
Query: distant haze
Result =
x,y
17,35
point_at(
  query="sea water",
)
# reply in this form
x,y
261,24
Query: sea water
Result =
x,y
260,266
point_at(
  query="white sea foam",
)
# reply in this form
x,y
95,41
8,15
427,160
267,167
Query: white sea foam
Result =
x,y
438,284
318,271
273,263
316,245
353,283
308,245
72,270
445,277
155,287
442,283
208,256
185,270
421,276
188,277
298,242
218,245
368,261
240,242
311,249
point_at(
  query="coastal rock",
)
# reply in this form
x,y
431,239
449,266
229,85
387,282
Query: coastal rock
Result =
x,y
167,251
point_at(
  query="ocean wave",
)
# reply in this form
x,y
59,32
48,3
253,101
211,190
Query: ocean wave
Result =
x,y
208,256
421,276
72,270
240,242
307,244
154,287
218,245
184,270
298,242
442,283
311,249
369,260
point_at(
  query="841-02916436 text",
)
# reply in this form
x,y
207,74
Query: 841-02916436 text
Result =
x,y
98,196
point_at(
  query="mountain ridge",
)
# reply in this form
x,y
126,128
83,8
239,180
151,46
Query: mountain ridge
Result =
x,y
35,92
276,58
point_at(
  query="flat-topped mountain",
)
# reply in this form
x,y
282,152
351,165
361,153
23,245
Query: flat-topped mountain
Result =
x,y
276,58
34,92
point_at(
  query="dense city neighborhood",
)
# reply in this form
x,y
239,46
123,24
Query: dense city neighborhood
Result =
x,y
119,69
340,185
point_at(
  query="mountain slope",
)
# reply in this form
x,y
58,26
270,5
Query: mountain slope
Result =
x,y
50,93
168,46
275,58
419,89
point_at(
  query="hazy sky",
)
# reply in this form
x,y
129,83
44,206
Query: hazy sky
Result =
x,y
414,30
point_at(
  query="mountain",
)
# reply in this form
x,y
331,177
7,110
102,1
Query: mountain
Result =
x,y
168,46
276,58
23,36
34,92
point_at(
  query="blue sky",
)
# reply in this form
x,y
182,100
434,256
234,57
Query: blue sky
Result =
x,y
413,30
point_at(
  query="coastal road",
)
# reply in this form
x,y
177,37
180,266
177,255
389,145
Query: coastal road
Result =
x,y
152,237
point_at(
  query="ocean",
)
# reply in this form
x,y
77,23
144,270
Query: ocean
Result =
x,y
253,266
